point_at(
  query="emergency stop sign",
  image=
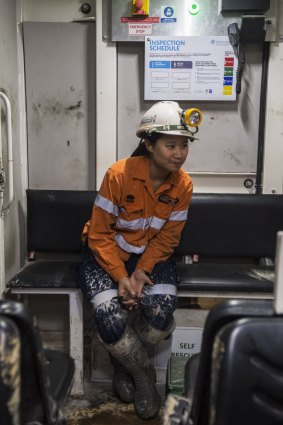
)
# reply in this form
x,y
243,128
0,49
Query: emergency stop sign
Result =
x,y
140,28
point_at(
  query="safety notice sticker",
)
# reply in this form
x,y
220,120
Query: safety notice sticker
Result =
x,y
168,14
189,68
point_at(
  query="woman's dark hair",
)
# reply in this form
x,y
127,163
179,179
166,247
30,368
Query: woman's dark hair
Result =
x,y
141,149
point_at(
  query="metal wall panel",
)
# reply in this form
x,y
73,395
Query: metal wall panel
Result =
x,y
208,21
60,80
229,131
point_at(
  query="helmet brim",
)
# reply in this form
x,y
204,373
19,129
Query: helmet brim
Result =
x,y
181,133
178,133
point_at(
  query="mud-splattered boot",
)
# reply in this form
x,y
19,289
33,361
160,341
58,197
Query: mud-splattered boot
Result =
x,y
149,336
132,355
123,384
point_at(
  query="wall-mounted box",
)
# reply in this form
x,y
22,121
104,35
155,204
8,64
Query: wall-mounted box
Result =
x,y
253,29
243,6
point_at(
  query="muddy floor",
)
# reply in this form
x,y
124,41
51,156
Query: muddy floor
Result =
x,y
101,407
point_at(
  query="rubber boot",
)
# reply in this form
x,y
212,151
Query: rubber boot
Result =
x,y
123,384
132,355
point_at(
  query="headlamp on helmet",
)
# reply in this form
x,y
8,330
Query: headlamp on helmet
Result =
x,y
192,117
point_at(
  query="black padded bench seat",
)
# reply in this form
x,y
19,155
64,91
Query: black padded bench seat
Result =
x,y
201,277
232,234
46,274
234,237
219,278
55,219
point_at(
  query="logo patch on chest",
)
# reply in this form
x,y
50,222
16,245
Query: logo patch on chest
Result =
x,y
167,200
130,198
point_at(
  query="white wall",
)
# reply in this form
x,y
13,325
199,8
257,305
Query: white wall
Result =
x,y
60,99
106,100
11,83
273,153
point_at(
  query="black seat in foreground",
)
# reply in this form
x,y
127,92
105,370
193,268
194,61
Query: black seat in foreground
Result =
x,y
249,386
238,376
34,382
9,372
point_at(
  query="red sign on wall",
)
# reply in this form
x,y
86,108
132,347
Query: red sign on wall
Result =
x,y
149,19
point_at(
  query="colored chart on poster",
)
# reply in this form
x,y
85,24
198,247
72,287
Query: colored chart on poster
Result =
x,y
189,68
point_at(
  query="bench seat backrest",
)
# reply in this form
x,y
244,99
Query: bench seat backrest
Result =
x,y
55,219
218,225
232,225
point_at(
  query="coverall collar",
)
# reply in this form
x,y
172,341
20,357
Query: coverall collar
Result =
x,y
144,164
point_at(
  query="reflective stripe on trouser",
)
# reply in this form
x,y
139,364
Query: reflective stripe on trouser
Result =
x,y
110,316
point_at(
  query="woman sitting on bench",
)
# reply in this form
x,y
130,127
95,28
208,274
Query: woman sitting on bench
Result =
x,y
136,223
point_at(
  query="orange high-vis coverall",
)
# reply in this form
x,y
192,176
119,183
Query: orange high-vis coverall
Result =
x,y
129,217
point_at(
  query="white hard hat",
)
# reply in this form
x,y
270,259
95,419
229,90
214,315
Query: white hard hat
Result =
x,y
168,118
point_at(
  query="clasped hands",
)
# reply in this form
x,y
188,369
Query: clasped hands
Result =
x,y
130,288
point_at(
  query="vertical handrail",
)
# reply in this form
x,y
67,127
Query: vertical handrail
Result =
x,y
9,151
278,290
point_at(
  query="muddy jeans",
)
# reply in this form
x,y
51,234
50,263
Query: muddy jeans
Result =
x,y
110,316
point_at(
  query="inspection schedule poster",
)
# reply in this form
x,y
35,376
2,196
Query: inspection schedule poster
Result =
x,y
189,68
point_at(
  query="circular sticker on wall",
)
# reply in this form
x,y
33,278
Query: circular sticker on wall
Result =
x,y
194,9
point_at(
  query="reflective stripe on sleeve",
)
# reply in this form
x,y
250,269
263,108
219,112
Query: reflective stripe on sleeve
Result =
x,y
179,215
130,224
140,223
103,297
157,223
127,247
106,205
152,222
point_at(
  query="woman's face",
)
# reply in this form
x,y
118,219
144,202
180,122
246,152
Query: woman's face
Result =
x,y
168,153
